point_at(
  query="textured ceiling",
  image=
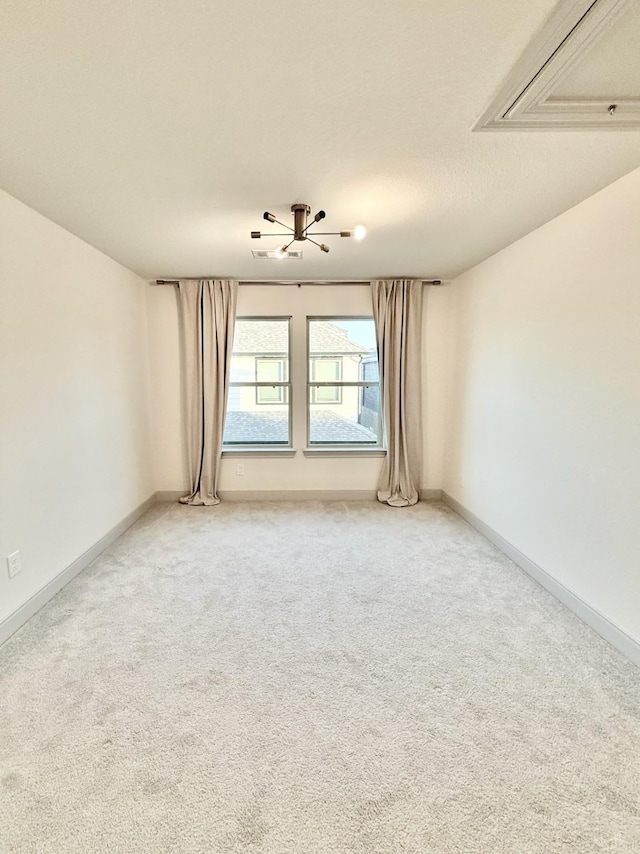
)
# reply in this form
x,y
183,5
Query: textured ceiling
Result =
x,y
159,131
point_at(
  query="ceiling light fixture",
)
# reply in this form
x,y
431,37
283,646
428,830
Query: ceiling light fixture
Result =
x,y
300,229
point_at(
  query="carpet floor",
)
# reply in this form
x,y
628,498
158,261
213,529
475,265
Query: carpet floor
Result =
x,y
314,677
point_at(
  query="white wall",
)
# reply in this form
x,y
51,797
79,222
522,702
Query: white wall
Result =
x,y
544,425
298,473
435,380
74,453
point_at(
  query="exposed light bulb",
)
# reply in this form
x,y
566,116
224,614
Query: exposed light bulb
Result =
x,y
281,252
359,232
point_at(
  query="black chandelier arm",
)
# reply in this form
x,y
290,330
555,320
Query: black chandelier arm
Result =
x,y
283,224
272,233
319,245
320,215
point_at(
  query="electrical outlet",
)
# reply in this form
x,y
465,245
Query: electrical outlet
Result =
x,y
240,468
13,564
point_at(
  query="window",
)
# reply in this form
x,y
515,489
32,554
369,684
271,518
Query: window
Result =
x,y
269,369
326,370
343,383
258,411
341,409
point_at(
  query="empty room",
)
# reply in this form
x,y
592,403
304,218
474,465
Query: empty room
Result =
x,y
319,434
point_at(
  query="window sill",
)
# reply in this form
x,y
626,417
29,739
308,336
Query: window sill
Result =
x,y
258,452
344,452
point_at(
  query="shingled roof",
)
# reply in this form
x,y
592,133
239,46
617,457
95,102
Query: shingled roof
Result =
x,y
264,427
263,336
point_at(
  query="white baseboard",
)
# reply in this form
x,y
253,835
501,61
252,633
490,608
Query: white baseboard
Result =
x,y
612,633
169,494
283,495
298,495
20,616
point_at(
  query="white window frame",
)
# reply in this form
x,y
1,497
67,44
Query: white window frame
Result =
x,y
298,344
271,447
376,446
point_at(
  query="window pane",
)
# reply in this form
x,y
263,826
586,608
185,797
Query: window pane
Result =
x,y
343,349
255,340
330,336
270,394
370,367
250,427
370,407
350,422
258,415
326,370
269,370
325,394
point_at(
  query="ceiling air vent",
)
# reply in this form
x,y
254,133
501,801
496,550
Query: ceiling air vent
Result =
x,y
275,253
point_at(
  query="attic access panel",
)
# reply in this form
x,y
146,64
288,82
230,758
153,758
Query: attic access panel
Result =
x,y
582,72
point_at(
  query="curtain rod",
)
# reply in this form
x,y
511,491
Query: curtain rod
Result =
x,y
283,282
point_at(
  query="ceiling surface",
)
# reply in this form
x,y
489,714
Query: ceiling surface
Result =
x,y
159,131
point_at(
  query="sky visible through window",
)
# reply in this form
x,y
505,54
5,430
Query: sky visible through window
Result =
x,y
361,332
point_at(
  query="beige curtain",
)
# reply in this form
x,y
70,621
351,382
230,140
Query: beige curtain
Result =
x,y
208,311
397,309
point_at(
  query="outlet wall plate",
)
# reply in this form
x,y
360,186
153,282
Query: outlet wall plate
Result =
x,y
14,565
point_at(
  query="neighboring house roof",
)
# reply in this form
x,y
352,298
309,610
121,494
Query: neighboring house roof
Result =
x,y
259,336
260,427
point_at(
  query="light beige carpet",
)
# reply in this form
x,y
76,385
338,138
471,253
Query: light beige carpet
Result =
x,y
314,678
